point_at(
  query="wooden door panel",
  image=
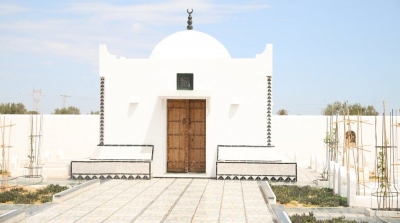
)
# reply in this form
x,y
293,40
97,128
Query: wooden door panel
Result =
x,y
176,155
186,136
176,138
197,136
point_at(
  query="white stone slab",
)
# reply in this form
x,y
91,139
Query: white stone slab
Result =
x,y
110,167
123,152
256,169
342,184
250,153
336,178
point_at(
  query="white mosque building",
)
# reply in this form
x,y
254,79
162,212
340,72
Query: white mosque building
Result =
x,y
187,98
189,110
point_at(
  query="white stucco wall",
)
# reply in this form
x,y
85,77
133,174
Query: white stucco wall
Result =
x,y
64,137
76,136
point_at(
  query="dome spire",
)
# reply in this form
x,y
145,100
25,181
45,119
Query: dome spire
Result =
x,y
189,22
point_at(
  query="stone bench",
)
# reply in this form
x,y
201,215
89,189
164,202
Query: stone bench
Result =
x,y
115,162
240,162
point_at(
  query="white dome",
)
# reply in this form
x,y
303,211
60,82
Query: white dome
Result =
x,y
190,44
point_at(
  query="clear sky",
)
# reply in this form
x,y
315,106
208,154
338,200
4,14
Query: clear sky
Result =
x,y
324,51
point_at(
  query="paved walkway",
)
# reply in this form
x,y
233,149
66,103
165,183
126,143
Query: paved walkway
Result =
x,y
184,200
163,200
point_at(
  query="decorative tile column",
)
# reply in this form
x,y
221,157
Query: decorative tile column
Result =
x,y
102,80
269,110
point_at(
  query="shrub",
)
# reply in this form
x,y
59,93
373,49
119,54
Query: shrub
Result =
x,y
20,196
310,218
303,218
51,189
7,196
46,198
308,196
26,198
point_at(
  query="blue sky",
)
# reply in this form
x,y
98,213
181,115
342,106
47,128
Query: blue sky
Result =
x,y
324,51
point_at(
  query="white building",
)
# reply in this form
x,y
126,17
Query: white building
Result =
x,y
188,97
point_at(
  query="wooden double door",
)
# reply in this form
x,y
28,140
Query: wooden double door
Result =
x,y
186,136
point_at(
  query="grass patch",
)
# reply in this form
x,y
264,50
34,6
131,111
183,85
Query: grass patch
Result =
x,y
20,195
307,196
310,218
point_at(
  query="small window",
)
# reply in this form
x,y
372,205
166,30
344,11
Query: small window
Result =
x,y
184,82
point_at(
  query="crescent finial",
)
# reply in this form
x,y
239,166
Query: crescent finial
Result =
x,y
189,22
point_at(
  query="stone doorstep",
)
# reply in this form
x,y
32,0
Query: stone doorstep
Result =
x,y
370,212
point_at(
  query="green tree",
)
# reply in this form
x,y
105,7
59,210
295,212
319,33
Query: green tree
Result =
x,y
71,110
282,112
12,108
339,108
94,112
33,112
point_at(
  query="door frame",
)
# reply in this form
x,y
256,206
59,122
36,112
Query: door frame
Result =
x,y
206,111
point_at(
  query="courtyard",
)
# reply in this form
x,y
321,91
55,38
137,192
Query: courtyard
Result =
x,y
163,200
179,200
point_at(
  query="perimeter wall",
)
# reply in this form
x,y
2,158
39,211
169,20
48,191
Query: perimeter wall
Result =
x,y
73,137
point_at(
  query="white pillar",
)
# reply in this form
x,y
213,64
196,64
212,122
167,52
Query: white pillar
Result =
x,y
330,174
323,169
351,187
342,189
336,178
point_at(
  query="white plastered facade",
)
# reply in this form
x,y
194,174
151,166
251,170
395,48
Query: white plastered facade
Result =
x,y
136,93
